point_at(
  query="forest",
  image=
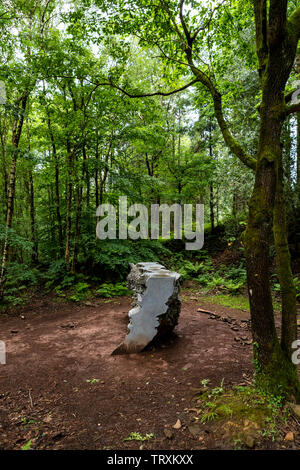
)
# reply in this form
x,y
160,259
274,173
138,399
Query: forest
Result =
x,y
159,103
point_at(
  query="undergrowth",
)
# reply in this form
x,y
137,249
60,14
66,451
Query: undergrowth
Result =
x,y
242,411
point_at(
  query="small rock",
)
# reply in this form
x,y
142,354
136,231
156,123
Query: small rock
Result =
x,y
289,436
177,425
69,325
14,332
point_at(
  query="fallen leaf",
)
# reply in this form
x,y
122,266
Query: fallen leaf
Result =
x,y
289,436
177,425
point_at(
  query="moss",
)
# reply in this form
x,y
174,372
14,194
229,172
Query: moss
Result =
x,y
239,302
242,411
279,377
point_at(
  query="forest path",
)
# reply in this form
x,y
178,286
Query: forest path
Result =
x,y
47,391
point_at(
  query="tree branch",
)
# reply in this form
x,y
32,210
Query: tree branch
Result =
x,y
229,139
294,108
184,26
202,28
167,10
144,95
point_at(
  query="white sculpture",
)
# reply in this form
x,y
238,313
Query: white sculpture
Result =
x,y
157,305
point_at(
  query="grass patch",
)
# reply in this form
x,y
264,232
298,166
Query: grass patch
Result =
x,y
239,302
242,413
136,436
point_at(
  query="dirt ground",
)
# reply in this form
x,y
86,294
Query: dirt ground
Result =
x,y
55,349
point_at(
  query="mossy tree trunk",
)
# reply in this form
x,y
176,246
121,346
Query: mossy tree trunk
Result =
x,y
276,43
276,49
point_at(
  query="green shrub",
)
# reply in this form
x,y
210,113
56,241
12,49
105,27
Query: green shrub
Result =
x,y
112,257
79,292
18,279
58,274
112,290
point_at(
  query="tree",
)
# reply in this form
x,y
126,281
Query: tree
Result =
x,y
189,35
33,17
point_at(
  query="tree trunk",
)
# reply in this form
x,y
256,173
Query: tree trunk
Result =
x,y
298,159
4,168
274,369
69,204
97,171
57,193
34,252
77,226
211,207
16,134
104,175
86,175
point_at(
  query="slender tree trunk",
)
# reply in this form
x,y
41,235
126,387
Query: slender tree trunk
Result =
x,y
298,158
86,175
57,192
211,207
103,177
234,204
16,134
69,203
97,171
77,226
4,168
211,188
285,275
78,200
34,252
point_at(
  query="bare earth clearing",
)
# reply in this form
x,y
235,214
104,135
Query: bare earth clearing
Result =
x,y
55,349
